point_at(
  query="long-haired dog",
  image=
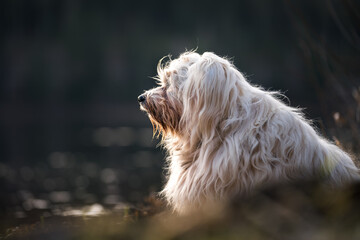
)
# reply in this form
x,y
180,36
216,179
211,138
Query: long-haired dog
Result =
x,y
226,137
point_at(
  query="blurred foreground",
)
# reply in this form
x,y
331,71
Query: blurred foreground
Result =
x,y
305,210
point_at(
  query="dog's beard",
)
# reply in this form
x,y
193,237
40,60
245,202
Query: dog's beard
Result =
x,y
164,115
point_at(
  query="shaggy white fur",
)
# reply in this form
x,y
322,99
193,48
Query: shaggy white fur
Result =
x,y
226,137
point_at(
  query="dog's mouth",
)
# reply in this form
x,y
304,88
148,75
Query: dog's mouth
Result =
x,y
143,107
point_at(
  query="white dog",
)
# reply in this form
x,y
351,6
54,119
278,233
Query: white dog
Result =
x,y
226,137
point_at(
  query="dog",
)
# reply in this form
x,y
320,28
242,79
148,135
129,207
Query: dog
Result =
x,y
226,137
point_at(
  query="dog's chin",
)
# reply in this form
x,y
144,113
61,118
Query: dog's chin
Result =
x,y
161,126
143,107
158,128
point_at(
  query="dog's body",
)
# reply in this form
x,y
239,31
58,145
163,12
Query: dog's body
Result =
x,y
225,136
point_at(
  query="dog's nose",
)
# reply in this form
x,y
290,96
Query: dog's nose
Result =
x,y
141,98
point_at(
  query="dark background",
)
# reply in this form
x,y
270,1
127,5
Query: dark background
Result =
x,y
71,131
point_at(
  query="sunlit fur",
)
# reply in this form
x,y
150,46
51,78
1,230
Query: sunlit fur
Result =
x,y
226,137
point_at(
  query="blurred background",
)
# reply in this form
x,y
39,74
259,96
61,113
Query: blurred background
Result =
x,y
71,132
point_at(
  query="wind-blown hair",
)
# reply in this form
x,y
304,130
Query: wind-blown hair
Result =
x,y
225,136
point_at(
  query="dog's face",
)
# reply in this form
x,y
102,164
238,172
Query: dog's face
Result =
x,y
163,108
164,103
195,93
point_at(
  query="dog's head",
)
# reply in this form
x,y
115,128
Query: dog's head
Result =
x,y
196,94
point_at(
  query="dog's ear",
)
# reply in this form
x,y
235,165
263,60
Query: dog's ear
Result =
x,y
208,91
